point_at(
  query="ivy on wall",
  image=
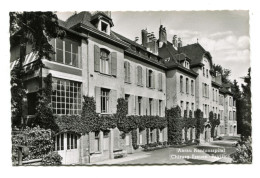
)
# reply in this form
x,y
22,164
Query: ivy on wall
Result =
x,y
175,125
17,93
214,121
44,116
134,139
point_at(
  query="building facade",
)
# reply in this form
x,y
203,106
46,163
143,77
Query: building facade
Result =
x,y
155,74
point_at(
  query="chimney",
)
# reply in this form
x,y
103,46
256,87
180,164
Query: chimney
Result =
x,y
162,34
136,39
179,43
144,35
218,78
108,13
174,41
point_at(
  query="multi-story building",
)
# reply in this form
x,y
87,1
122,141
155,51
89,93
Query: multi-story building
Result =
x,y
155,74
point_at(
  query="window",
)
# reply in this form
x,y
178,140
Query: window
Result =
x,y
139,105
213,94
96,142
66,52
71,141
216,95
192,87
203,71
66,96
104,100
187,108
181,84
151,136
150,78
181,106
139,76
207,73
59,142
192,108
127,100
160,107
104,27
151,106
104,61
187,85
140,139
234,115
160,82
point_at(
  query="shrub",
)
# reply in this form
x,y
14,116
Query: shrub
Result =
x,y
52,159
38,140
243,152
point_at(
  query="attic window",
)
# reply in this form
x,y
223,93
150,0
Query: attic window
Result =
x,y
104,27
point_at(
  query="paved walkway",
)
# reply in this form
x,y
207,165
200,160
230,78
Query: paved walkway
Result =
x,y
209,153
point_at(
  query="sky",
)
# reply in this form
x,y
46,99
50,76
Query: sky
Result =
x,y
225,34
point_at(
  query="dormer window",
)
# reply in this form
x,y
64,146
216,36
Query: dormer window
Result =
x,y
104,27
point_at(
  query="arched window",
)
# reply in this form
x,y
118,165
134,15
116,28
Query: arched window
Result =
x,y
104,61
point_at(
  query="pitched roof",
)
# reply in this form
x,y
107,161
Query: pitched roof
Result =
x,y
130,42
167,50
83,17
195,51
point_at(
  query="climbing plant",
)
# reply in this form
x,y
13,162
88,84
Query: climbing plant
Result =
x,y
175,125
44,116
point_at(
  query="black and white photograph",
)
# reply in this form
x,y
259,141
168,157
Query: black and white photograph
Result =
x,y
130,88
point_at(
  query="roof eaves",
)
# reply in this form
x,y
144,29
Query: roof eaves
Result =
x,y
180,67
131,53
103,35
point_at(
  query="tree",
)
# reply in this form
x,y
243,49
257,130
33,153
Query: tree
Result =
x,y
246,105
35,28
225,73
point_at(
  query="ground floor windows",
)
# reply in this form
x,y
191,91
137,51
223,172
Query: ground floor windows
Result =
x,y
71,141
139,106
96,146
66,96
104,100
66,141
127,140
140,138
160,107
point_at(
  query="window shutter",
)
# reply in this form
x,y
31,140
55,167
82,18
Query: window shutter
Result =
x,y
132,104
163,108
137,75
98,99
92,141
141,75
157,107
125,70
144,105
114,63
96,58
136,106
112,101
202,89
153,80
128,72
147,78
148,106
